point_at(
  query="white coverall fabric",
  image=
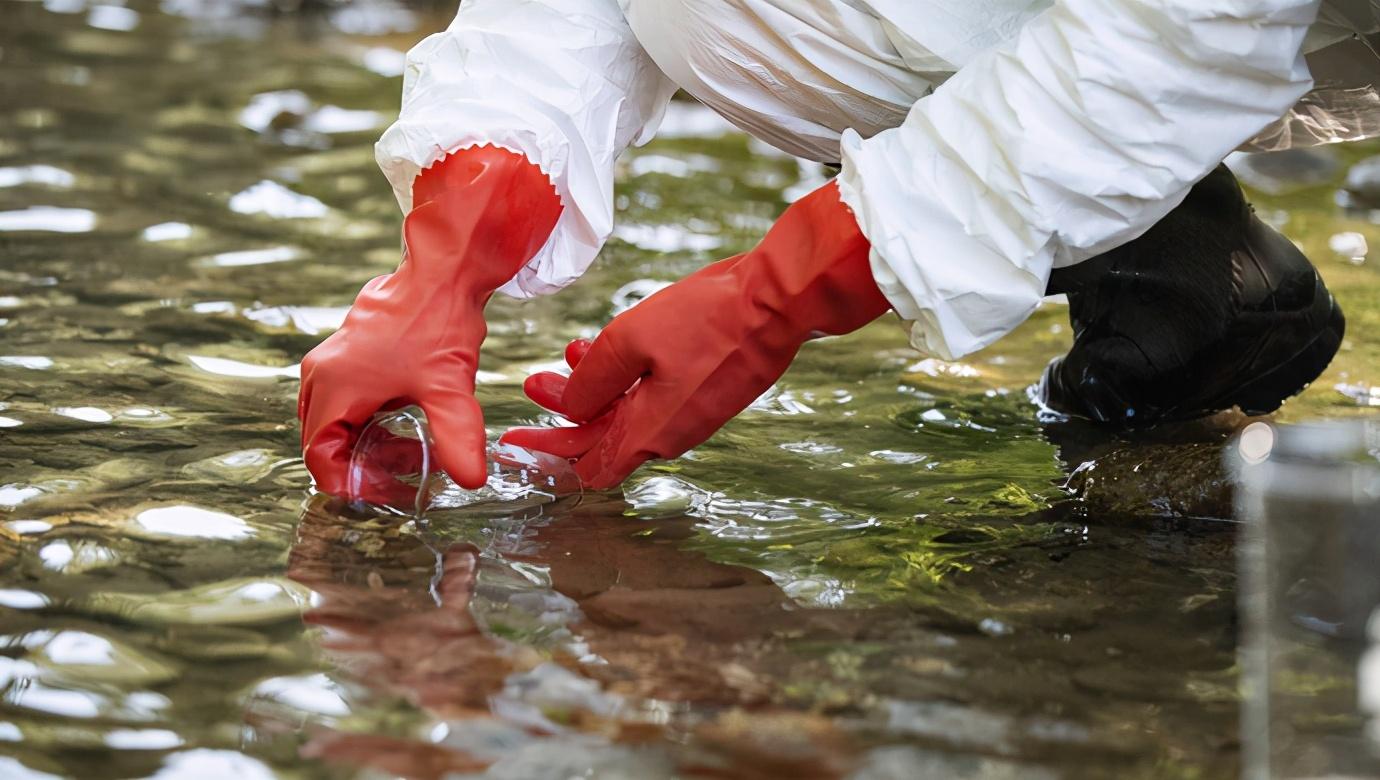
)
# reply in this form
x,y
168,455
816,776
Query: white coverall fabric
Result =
x,y
1071,127
563,82
1068,141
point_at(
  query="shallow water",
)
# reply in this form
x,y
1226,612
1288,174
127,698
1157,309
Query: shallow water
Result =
x,y
878,571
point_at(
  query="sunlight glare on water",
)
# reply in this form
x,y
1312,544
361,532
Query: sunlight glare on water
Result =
x,y
876,571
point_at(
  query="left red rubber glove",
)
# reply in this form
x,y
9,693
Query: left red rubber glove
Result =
x,y
666,374
413,336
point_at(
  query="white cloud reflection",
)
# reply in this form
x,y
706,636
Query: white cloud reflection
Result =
x,y
184,520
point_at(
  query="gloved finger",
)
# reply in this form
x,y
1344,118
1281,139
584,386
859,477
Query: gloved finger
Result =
x,y
621,449
596,479
570,442
598,471
576,350
457,430
598,474
656,419
545,389
327,455
601,377
327,409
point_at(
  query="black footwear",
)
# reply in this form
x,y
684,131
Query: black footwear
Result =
x,y
1210,309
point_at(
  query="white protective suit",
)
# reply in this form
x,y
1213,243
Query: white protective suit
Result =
x,y
983,142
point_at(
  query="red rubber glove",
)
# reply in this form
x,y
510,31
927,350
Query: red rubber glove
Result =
x,y
667,373
413,336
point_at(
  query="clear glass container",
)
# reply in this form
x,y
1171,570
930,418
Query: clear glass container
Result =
x,y
1308,497
393,468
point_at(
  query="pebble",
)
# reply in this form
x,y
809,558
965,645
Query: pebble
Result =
x,y
241,602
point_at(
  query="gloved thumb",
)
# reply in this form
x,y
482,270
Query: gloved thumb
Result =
x,y
457,431
564,442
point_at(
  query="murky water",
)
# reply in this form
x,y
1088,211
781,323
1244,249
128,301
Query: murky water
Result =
x,y
876,572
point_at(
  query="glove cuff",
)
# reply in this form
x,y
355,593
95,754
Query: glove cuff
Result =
x,y
815,264
479,215
469,167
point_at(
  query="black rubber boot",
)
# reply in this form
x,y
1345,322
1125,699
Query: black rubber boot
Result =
x,y
1210,309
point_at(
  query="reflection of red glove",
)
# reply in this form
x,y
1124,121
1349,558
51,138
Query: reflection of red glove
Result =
x,y
413,336
667,373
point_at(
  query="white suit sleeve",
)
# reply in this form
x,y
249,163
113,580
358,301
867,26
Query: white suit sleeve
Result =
x,y
1070,140
563,82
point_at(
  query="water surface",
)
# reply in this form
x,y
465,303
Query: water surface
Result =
x,y
878,571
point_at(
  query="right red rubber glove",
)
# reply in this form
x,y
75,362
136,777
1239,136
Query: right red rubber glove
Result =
x,y
667,373
413,336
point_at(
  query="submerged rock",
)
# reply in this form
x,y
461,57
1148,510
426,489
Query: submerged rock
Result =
x,y
242,602
1161,480
219,643
9,547
79,656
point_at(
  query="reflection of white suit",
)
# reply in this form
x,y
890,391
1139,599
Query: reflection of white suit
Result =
x,y
983,142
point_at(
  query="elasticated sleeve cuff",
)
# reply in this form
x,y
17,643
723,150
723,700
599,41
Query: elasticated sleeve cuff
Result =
x,y
1068,141
563,82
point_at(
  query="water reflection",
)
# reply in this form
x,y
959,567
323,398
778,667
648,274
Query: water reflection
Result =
x,y
274,200
167,231
36,174
202,763
112,17
192,521
85,413
49,218
637,641
874,571
277,254
239,369
638,637
35,362
22,599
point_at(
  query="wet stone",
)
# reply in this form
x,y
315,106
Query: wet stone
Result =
x,y
752,610
230,603
1182,481
78,656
